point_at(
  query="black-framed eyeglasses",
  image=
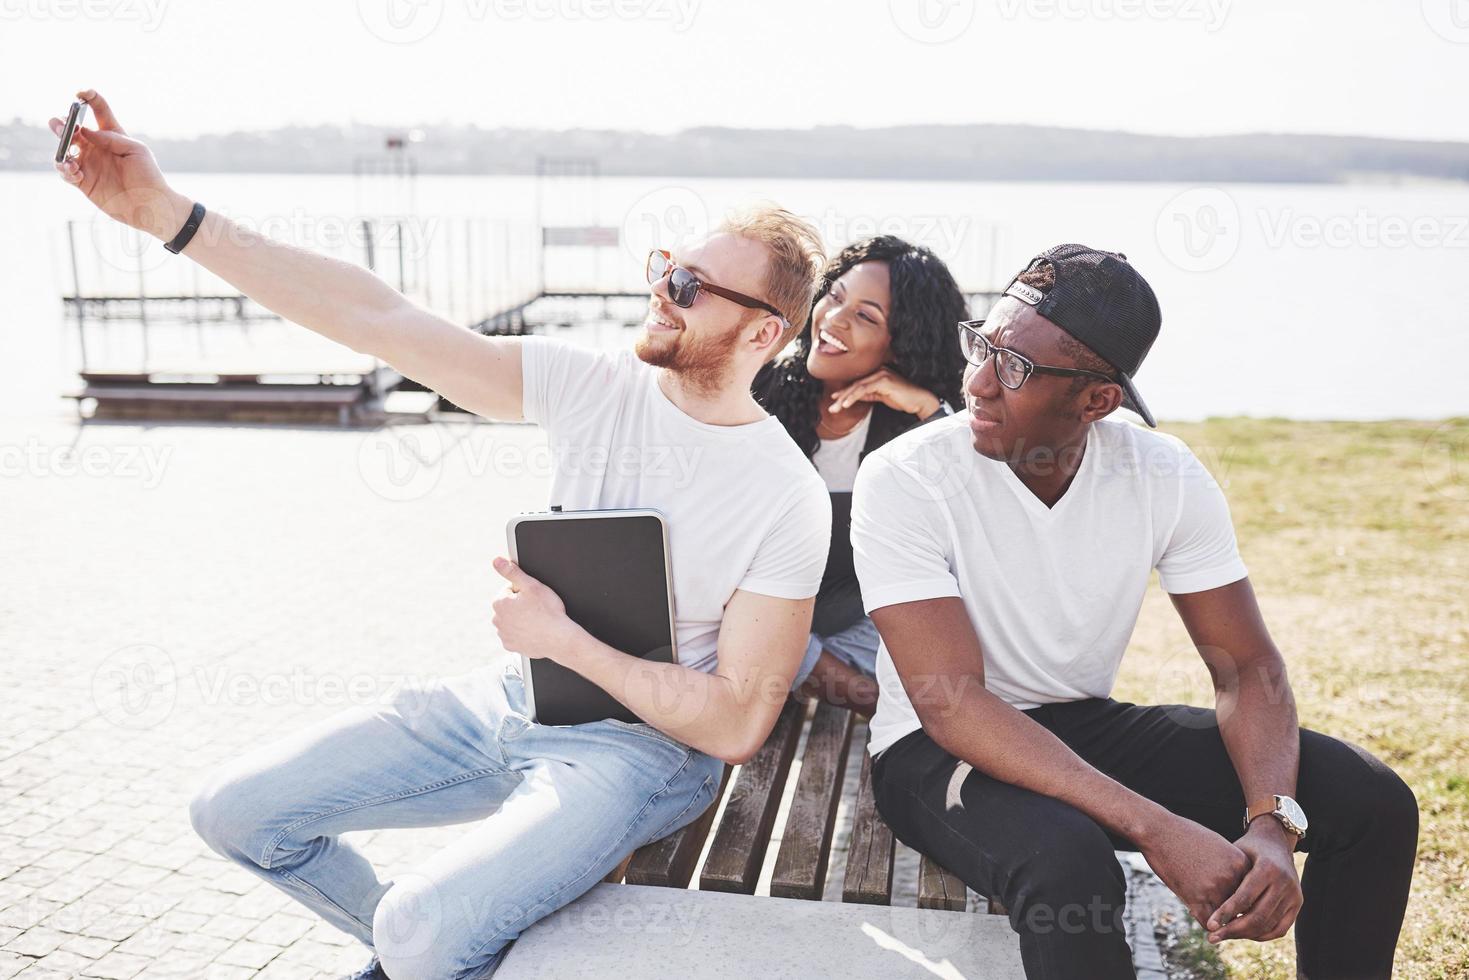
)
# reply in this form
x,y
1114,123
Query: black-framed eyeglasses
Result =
x,y
684,286
1011,367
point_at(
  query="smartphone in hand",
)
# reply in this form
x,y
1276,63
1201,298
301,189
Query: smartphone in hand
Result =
x,y
74,119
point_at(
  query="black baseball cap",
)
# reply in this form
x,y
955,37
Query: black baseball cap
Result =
x,y
1102,301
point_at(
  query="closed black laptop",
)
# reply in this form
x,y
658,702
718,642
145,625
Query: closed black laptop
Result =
x,y
611,570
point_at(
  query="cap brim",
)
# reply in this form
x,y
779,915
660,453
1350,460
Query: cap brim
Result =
x,y
1133,402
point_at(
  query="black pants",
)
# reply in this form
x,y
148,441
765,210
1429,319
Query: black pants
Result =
x,y
1054,869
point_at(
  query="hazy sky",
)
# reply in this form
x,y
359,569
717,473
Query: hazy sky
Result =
x,y
178,67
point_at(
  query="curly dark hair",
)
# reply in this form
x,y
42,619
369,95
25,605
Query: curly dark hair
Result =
x,y
926,305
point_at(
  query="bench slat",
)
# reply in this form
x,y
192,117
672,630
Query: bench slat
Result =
x,y
939,889
869,879
615,875
800,865
670,862
744,832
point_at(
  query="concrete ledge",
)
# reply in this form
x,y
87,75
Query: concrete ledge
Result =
x,y
640,931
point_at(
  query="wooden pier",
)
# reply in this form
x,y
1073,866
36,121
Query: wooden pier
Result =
x,y
211,354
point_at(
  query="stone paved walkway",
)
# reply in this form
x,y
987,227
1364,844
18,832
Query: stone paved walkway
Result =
x,y
171,595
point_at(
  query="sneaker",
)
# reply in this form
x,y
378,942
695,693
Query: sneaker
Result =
x,y
372,971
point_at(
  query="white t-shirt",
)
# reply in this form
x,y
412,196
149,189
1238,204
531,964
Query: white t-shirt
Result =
x,y
1053,593
837,459
745,510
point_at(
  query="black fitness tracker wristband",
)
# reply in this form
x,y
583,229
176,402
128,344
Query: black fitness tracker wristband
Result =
x,y
196,217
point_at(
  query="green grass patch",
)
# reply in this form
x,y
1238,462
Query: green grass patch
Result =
x,y
1356,535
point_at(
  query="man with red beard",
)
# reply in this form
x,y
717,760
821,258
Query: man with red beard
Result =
x,y
675,428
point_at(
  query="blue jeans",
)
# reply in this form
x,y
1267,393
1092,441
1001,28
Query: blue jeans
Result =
x,y
554,809
855,646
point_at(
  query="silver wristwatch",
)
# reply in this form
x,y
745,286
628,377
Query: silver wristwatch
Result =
x,y
1282,808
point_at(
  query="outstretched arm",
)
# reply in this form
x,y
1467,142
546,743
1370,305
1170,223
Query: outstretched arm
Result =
x,y
336,299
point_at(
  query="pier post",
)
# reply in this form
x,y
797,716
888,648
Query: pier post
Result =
x,y
142,302
76,291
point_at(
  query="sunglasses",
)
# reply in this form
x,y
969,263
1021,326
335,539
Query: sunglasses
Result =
x,y
684,286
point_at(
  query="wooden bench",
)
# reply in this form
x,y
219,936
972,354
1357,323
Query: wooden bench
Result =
x,y
742,839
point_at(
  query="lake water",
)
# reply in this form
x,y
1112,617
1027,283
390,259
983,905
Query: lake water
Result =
x,y
1278,300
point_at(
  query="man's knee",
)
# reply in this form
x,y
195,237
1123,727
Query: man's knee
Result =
x,y
414,936
1360,797
1069,881
225,814
1392,806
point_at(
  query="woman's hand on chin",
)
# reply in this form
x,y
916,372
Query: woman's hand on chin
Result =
x,y
891,389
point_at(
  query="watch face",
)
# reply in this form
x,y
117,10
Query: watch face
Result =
x,y
1292,811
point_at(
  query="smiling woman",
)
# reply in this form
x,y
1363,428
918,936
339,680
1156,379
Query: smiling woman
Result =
x,y
883,304
876,357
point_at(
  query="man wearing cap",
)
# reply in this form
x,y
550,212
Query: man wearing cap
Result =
x,y
1003,555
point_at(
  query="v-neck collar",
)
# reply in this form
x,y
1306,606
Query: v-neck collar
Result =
x,y
1034,504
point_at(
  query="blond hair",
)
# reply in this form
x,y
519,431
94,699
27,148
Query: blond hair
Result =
x,y
796,260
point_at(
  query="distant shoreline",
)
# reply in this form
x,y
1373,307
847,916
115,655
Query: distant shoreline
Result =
x,y
978,153
1375,180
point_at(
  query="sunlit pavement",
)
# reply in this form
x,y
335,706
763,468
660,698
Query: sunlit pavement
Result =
x,y
172,595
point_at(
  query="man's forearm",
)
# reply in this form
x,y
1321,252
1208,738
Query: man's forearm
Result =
x,y
1002,742
1257,719
703,710
1254,707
